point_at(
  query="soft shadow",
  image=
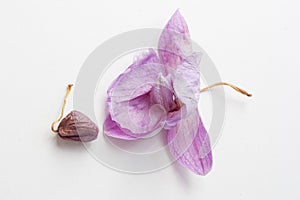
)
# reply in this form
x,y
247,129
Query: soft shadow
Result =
x,y
236,101
67,145
182,174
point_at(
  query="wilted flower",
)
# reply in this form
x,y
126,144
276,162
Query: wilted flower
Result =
x,y
162,91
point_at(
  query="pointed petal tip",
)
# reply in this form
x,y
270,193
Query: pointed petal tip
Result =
x,y
205,170
174,44
177,12
177,23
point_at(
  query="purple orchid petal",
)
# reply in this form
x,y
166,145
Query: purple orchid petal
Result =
x,y
162,92
130,99
112,129
189,143
174,43
130,105
148,57
186,84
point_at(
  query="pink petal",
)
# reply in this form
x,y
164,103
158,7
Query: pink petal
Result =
x,y
189,143
130,102
174,43
112,129
162,92
147,57
186,85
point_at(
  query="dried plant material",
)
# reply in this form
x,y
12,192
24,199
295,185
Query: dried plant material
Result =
x,y
75,126
159,90
78,127
170,82
162,91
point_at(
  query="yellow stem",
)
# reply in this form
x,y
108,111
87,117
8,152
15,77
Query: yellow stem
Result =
x,y
228,84
62,109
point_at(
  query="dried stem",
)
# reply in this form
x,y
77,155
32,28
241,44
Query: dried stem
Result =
x,y
62,109
228,84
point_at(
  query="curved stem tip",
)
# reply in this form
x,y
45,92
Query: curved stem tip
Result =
x,y
62,109
244,92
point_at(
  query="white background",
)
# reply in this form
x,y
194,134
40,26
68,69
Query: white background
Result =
x,y
254,44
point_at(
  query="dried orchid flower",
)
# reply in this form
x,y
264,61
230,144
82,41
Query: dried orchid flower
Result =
x,y
75,126
162,91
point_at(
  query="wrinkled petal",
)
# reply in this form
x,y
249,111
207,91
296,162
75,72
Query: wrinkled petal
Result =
x,y
194,59
148,57
112,129
186,85
130,104
189,143
174,44
133,102
162,92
